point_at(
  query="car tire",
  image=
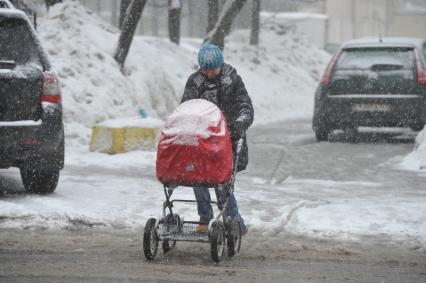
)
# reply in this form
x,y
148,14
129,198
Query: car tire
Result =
x,y
351,134
417,127
321,135
39,181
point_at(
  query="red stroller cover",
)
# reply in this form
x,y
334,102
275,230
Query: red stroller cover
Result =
x,y
195,146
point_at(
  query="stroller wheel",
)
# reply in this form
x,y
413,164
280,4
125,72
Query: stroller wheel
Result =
x,y
150,239
173,223
217,241
234,237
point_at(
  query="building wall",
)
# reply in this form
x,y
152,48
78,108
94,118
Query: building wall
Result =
x,y
409,25
347,19
356,18
350,19
154,19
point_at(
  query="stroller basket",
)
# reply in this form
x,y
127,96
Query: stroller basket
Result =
x,y
188,231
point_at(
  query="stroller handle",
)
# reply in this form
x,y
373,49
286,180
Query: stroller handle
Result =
x,y
237,156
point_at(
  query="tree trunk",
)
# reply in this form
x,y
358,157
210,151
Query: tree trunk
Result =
x,y
130,22
213,14
114,12
255,22
124,4
191,18
155,21
175,7
222,28
52,2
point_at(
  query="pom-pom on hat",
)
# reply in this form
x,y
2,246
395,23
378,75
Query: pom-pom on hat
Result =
x,y
210,57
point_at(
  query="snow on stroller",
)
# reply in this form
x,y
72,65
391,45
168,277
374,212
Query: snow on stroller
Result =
x,y
195,149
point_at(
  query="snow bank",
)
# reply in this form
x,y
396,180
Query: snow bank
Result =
x,y
81,47
416,160
314,26
119,191
132,122
280,74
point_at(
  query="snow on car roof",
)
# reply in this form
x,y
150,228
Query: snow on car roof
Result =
x,y
385,42
12,13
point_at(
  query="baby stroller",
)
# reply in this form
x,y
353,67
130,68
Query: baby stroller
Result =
x,y
195,149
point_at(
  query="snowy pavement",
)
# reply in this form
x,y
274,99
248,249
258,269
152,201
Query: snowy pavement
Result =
x,y
335,190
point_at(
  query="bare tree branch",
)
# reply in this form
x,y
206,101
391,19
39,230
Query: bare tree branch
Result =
x,y
255,22
133,14
222,28
213,14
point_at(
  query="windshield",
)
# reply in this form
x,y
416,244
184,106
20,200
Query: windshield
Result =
x,y
368,57
375,71
16,42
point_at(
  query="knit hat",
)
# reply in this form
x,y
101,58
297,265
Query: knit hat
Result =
x,y
210,57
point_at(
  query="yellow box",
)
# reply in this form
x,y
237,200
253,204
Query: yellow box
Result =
x,y
117,140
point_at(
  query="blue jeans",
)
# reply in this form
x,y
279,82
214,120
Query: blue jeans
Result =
x,y
205,210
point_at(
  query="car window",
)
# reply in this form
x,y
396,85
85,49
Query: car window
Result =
x,y
16,42
366,58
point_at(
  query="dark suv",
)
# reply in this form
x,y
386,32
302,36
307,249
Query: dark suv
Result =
x,y
374,82
31,127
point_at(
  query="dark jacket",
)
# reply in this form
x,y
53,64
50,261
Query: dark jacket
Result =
x,y
228,92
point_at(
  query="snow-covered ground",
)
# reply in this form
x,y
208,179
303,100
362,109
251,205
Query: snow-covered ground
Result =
x,y
416,161
121,191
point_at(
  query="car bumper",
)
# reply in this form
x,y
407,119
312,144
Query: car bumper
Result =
x,y
340,111
21,141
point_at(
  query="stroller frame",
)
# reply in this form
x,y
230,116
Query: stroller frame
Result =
x,y
171,228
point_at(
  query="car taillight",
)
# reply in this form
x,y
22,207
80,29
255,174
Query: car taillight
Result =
x,y
51,90
326,78
421,72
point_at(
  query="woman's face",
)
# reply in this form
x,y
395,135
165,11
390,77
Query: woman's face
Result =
x,y
211,73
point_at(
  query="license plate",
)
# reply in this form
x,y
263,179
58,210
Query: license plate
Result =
x,y
370,108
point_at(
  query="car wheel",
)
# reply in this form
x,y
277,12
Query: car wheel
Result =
x,y
351,134
321,135
39,181
417,127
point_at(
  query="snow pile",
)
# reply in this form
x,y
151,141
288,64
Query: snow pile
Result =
x,y
280,74
132,122
38,6
81,47
312,25
416,160
123,194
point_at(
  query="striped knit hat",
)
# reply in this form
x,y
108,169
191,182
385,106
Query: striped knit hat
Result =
x,y
210,57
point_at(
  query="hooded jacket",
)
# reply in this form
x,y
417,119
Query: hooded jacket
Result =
x,y
228,92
